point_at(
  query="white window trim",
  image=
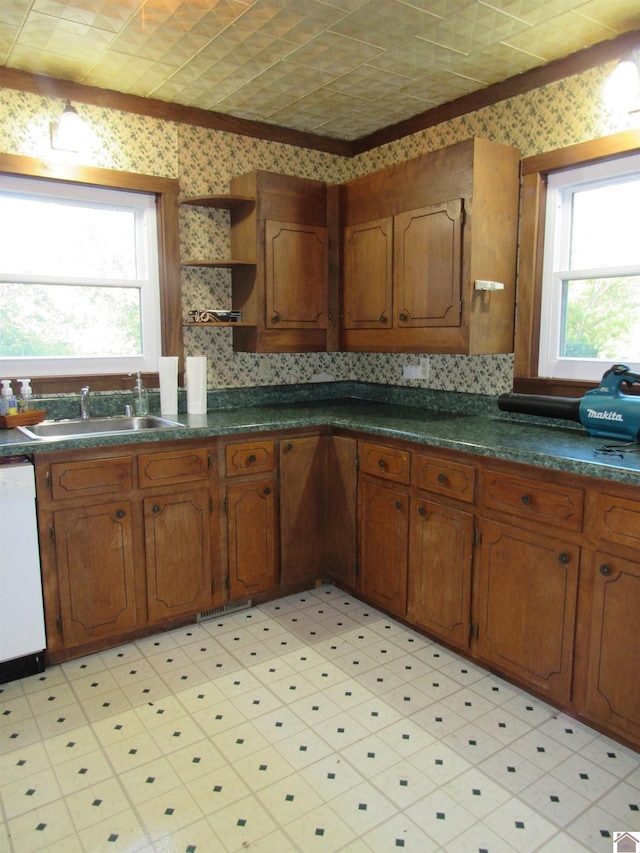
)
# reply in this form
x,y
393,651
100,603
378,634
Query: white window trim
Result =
x,y
149,285
556,237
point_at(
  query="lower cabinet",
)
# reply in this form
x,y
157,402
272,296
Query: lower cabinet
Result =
x,y
251,536
177,533
384,527
93,548
440,557
526,587
612,688
126,542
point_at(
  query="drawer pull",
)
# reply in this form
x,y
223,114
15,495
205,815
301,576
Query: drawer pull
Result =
x,y
398,504
563,558
605,569
156,508
422,511
252,459
526,500
381,463
442,478
120,513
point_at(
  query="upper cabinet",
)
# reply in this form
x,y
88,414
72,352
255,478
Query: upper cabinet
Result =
x,y
420,239
287,294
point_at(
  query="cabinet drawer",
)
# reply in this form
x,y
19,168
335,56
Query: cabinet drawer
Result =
x,y
543,502
445,478
172,466
91,477
618,520
386,462
251,457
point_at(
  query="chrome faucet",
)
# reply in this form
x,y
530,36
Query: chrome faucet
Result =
x,y
84,403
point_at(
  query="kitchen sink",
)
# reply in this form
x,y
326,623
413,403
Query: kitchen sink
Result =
x,y
77,428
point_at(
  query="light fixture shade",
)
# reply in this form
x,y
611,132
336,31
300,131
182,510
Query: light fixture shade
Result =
x,y
68,132
622,88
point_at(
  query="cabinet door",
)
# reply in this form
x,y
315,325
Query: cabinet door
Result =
x,y
177,532
94,553
367,275
296,276
251,533
302,509
384,523
613,689
428,266
440,553
341,498
526,606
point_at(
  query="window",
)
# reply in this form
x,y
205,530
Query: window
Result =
x,y
78,279
590,311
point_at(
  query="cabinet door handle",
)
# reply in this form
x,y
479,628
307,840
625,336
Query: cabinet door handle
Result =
x,y
398,504
403,317
288,446
526,500
156,508
383,319
442,478
120,513
252,459
564,558
267,491
275,318
422,511
605,569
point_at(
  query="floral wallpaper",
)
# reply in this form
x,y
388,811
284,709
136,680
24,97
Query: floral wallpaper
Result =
x,y
205,160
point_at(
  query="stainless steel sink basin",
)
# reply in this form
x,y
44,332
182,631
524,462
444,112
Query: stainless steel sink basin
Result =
x,y
57,430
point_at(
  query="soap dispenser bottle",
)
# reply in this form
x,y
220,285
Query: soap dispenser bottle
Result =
x,y
140,398
25,401
8,402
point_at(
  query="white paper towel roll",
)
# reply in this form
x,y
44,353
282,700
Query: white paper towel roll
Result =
x,y
196,384
168,373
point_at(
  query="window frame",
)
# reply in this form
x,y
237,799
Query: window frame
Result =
x,y
166,192
535,171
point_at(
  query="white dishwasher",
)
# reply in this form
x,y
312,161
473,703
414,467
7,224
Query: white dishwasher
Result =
x,y
22,634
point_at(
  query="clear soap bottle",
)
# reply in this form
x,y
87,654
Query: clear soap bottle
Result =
x,y
140,398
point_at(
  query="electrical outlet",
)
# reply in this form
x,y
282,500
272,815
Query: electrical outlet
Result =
x,y
425,367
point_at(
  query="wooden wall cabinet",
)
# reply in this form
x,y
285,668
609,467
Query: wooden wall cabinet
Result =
x,y
415,238
288,294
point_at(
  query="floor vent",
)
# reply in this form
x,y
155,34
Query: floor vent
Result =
x,y
226,608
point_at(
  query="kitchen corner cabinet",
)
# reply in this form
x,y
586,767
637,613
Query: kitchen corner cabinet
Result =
x,y
121,546
317,509
415,238
287,294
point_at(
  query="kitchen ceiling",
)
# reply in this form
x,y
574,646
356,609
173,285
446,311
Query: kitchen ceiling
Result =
x,y
341,69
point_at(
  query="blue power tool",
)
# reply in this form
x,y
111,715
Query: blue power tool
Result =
x,y
605,411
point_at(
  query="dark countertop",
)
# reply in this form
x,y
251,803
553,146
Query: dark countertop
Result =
x,y
562,448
